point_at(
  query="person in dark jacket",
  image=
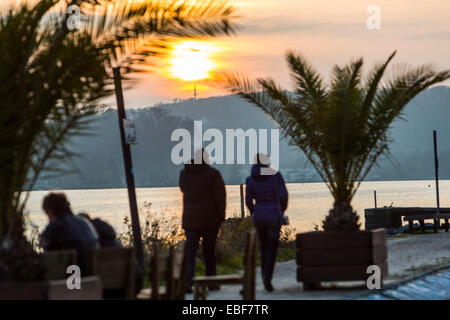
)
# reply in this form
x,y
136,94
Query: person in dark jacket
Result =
x,y
108,239
66,230
267,198
106,234
204,201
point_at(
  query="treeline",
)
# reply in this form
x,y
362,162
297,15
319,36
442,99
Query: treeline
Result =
x,y
99,163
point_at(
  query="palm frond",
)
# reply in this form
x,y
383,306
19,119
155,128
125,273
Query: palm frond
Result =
x,y
308,82
343,129
133,30
52,78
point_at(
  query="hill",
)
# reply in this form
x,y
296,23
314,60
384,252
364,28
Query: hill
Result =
x,y
100,164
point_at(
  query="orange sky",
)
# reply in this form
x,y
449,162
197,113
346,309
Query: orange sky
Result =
x,y
326,31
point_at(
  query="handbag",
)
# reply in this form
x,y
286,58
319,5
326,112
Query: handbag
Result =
x,y
284,219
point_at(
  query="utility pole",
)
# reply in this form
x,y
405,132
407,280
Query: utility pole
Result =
x,y
195,92
129,173
436,170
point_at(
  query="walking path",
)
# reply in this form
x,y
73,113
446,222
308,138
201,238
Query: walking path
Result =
x,y
432,286
408,255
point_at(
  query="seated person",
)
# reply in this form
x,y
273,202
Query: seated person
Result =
x,y
66,231
108,239
106,234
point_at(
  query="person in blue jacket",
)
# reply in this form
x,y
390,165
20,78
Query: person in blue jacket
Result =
x,y
267,199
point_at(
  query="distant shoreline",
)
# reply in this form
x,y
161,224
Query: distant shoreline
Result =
x,y
174,186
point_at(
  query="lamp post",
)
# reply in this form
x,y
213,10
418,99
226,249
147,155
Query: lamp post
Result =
x,y
129,173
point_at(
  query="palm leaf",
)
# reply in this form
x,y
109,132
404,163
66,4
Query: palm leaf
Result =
x,y
343,128
53,78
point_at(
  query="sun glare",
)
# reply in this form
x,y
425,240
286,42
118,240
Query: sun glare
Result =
x,y
191,60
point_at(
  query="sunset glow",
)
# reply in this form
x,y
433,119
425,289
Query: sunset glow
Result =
x,y
191,60
326,32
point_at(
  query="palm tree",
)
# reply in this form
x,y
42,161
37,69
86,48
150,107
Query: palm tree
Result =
x,y
54,72
342,128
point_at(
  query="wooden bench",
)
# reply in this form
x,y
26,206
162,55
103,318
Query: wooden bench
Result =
x,y
168,268
179,271
56,263
91,289
116,269
421,218
247,279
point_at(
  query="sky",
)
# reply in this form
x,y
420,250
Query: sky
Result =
x,y
325,31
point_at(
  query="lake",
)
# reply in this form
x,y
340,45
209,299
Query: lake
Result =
x,y
308,202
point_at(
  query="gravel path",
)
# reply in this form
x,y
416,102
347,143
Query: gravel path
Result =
x,y
407,256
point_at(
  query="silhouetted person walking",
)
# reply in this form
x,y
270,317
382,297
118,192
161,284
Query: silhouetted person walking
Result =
x,y
267,198
203,211
66,230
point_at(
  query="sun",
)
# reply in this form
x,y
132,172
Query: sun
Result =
x,y
191,60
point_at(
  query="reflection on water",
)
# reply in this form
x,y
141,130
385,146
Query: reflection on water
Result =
x,y
308,202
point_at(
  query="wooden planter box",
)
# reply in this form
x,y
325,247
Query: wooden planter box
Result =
x,y
91,289
339,256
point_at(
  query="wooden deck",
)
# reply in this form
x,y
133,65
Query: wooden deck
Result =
x,y
391,217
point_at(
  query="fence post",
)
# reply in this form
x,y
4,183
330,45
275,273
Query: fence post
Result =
x,y
242,201
375,197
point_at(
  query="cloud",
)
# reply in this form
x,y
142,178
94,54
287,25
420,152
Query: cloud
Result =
x,y
276,25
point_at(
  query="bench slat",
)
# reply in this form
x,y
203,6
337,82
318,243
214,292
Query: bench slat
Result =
x,y
221,279
426,217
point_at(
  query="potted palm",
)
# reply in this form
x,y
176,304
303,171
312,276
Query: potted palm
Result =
x,y
57,58
342,128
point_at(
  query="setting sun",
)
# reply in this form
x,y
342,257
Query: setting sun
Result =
x,y
191,60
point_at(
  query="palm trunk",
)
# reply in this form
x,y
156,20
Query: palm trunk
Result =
x,y
341,218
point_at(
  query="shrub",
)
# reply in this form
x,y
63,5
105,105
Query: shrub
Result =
x,y
159,228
